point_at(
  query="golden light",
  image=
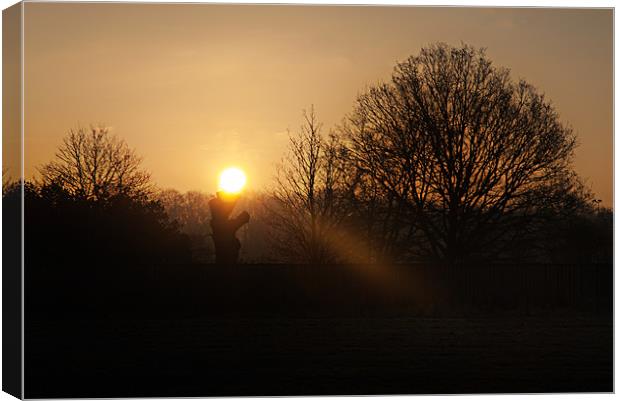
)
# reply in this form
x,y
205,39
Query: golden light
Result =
x,y
232,180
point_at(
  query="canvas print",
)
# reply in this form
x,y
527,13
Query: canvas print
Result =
x,y
293,200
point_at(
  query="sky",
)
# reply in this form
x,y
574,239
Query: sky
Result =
x,y
195,88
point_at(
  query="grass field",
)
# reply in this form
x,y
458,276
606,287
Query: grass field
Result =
x,y
303,356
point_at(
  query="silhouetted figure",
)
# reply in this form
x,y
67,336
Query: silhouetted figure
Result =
x,y
226,244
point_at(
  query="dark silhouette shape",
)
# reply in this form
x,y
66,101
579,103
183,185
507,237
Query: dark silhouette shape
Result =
x,y
468,156
93,164
309,196
226,243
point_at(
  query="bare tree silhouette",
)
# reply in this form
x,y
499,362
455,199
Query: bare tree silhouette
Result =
x,y
191,211
7,180
309,205
460,146
93,164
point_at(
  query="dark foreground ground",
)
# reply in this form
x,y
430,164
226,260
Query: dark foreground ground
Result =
x,y
306,356
192,330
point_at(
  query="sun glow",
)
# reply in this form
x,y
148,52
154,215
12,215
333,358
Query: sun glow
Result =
x,y
232,180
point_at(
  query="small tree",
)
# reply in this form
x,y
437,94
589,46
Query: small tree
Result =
x,y
461,146
308,203
93,164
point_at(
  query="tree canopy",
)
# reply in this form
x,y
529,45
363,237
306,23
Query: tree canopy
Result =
x,y
465,150
93,164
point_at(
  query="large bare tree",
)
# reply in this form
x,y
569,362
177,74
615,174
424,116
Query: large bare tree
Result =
x,y
461,146
93,164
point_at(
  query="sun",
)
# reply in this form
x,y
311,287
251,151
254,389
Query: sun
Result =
x,y
232,180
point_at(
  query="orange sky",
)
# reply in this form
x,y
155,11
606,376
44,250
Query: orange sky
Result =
x,y
194,88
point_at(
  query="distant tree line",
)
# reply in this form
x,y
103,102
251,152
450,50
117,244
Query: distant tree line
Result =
x,y
451,161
